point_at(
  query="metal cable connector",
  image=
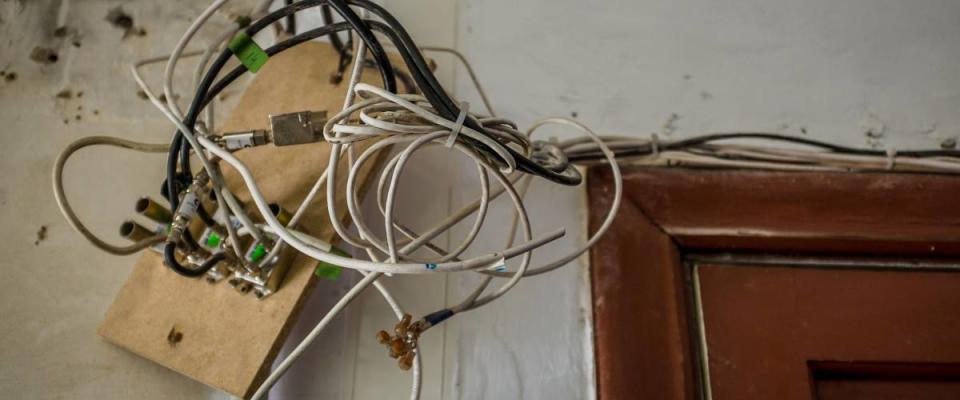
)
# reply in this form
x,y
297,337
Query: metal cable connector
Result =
x,y
297,128
151,209
188,208
241,140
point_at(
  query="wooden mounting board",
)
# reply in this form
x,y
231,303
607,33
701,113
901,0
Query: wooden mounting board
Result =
x,y
229,340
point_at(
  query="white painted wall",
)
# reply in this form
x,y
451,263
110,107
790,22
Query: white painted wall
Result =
x,y
832,69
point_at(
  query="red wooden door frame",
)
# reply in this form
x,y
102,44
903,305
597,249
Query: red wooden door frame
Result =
x,y
644,341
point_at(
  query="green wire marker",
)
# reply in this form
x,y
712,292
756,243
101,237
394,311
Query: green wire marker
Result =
x,y
258,253
213,240
329,271
248,52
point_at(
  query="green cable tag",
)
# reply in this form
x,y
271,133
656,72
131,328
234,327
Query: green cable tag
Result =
x,y
329,271
213,240
258,252
248,52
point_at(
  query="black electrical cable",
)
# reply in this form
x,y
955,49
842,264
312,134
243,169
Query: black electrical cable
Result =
x,y
189,241
376,49
415,61
334,37
704,139
205,94
347,14
179,152
420,72
291,20
427,83
306,36
199,102
698,140
439,99
346,54
442,102
238,71
386,72
198,106
412,57
205,216
418,67
409,86
170,259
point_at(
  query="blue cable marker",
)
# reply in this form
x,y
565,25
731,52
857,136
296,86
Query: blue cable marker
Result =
x,y
431,266
498,266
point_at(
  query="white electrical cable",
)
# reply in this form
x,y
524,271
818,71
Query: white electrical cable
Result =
x,y
398,311
353,204
759,157
518,203
415,242
217,44
470,73
410,123
614,207
64,205
214,173
178,49
172,112
334,126
469,302
298,351
222,200
398,268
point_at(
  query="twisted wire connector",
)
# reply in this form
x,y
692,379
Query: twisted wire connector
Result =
x,y
403,345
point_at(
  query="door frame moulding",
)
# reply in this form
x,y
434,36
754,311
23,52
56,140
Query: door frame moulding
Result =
x,y
644,303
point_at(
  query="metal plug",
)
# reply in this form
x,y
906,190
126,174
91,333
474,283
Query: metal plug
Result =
x,y
151,209
297,128
241,140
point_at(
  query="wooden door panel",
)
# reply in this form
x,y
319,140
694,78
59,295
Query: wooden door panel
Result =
x,y
778,319
764,325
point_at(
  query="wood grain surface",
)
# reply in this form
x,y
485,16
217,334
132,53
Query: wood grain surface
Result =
x,y
229,341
